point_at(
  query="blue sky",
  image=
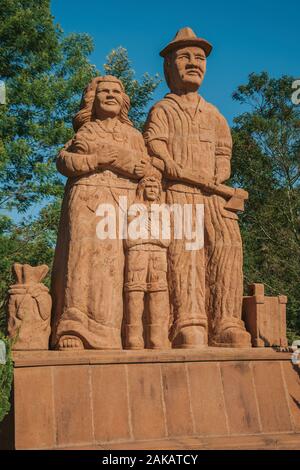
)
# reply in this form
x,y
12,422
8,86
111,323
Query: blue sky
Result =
x,y
248,36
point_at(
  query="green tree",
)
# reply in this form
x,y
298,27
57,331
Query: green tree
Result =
x,y
45,73
140,92
266,162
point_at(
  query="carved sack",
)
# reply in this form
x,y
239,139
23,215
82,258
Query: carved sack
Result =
x,y
29,308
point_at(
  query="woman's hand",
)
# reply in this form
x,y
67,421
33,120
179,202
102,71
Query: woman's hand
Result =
x,y
142,168
106,155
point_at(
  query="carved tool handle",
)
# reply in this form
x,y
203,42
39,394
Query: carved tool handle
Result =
x,y
235,196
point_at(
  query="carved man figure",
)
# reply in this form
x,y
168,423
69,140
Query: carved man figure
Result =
x,y
187,133
146,286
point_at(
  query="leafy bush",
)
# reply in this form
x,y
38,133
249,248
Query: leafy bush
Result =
x,y
6,377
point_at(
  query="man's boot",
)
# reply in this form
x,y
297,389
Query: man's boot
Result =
x,y
158,336
190,336
231,333
134,337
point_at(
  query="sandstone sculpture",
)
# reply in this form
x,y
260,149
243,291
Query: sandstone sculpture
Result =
x,y
265,317
146,285
102,163
149,256
188,134
29,308
112,292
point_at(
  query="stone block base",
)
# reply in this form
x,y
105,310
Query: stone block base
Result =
x,y
209,398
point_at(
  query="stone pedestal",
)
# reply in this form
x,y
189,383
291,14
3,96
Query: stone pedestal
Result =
x,y
211,398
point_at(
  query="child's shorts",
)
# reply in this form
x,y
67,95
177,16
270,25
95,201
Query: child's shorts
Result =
x,y
146,271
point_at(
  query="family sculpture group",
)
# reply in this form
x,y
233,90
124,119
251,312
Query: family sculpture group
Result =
x,y
149,292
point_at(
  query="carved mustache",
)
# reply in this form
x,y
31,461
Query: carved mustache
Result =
x,y
193,68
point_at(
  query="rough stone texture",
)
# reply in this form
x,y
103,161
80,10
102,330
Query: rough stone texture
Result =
x,y
190,142
146,401
110,402
269,394
113,290
29,308
173,295
265,317
209,415
150,292
292,380
34,408
73,405
270,442
146,283
87,276
240,402
121,400
176,391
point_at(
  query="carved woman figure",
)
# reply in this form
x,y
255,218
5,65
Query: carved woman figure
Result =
x,y
102,163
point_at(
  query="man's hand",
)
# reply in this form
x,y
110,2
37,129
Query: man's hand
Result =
x,y
172,169
221,178
222,170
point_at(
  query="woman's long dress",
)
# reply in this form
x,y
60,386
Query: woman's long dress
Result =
x,y
88,272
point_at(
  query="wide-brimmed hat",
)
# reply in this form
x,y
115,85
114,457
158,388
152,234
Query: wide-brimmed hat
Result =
x,y
186,37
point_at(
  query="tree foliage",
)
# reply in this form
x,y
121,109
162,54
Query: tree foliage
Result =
x,y
45,73
266,162
6,378
140,92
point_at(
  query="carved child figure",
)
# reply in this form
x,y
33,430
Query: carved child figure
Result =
x,y
146,287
